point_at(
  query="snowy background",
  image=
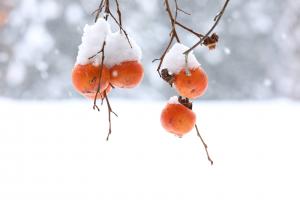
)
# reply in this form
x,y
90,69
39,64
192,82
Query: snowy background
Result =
x,y
52,144
257,58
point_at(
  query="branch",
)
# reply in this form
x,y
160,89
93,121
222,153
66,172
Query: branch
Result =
x,y
161,59
99,10
173,33
109,115
205,145
172,20
105,4
179,9
216,19
189,30
121,28
99,76
119,14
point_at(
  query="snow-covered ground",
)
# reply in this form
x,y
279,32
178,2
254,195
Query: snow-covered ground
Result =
x,y
57,150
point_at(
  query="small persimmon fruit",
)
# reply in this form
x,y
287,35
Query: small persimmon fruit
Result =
x,y
177,119
193,85
127,74
99,95
85,78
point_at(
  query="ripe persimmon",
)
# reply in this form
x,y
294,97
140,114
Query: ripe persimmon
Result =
x,y
193,85
177,119
99,95
85,78
128,74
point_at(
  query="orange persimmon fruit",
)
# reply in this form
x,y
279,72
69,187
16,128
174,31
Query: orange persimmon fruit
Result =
x,y
99,95
177,119
85,78
127,74
193,85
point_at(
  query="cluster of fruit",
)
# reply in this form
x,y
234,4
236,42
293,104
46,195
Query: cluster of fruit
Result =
x,y
85,78
190,82
116,65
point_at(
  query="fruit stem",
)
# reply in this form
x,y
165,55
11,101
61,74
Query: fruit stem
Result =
x,y
187,70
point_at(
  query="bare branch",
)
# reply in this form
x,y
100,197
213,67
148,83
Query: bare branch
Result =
x,y
99,10
105,4
172,20
173,33
189,29
205,145
216,19
109,115
179,9
161,59
119,14
99,77
121,28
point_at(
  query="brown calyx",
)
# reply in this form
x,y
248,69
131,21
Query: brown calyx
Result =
x,y
211,41
167,77
186,102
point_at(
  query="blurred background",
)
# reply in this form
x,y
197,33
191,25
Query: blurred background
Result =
x,y
257,56
52,143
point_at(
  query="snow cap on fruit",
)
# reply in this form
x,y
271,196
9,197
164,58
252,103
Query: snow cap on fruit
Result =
x,y
175,60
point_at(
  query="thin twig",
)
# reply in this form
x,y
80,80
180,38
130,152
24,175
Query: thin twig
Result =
x,y
109,115
189,30
161,59
216,20
179,9
99,76
107,12
205,145
119,14
99,10
173,34
172,20
121,28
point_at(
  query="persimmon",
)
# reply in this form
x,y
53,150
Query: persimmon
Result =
x,y
100,95
191,85
177,119
85,78
127,74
